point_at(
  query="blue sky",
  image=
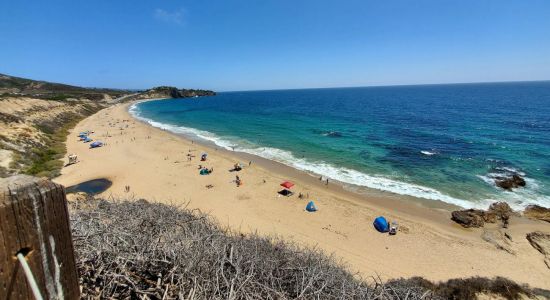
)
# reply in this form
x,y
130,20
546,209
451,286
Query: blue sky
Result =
x,y
264,44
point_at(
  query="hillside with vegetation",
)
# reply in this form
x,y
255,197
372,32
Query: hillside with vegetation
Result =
x,y
35,117
172,92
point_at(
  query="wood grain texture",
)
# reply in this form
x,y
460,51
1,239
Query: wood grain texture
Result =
x,y
34,220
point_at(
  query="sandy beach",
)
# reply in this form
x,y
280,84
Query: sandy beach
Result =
x,y
155,166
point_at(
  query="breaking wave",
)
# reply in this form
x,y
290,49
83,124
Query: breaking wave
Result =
x,y
344,175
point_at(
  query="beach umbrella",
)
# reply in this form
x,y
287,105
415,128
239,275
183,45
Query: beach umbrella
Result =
x,y
287,184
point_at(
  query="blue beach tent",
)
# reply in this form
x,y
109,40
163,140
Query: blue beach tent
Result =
x,y
96,144
381,224
87,140
311,207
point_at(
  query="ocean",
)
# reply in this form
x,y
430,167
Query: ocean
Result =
x,y
436,142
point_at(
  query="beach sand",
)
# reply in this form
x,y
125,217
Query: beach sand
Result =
x,y
154,164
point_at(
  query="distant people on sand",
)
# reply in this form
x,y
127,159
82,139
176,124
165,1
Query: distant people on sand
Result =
x,y
127,188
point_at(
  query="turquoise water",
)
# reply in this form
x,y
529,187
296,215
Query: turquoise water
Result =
x,y
439,142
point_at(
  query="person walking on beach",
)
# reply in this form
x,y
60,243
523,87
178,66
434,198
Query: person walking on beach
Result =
x,y
327,182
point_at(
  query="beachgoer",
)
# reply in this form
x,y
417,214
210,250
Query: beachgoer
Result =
x,y
249,163
327,182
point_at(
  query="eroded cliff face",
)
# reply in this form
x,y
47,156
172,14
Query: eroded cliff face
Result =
x,y
35,117
27,131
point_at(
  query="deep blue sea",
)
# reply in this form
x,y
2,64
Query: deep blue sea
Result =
x,y
444,142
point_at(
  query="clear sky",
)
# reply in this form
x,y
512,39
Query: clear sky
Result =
x,y
274,44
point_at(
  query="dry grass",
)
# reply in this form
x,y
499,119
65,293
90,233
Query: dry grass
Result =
x,y
141,250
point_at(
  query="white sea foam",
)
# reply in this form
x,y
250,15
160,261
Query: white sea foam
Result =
x,y
428,153
344,175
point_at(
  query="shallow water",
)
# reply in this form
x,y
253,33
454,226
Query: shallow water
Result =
x,y
443,142
90,187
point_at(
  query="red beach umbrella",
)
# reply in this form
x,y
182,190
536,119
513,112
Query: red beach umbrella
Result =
x,y
287,184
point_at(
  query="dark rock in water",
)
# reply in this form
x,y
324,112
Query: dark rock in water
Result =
x,y
510,182
469,217
537,212
541,242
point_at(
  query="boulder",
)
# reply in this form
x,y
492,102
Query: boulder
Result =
x,y
499,211
541,242
469,217
510,182
537,212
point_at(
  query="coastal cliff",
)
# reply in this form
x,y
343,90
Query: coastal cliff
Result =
x,y
35,117
172,92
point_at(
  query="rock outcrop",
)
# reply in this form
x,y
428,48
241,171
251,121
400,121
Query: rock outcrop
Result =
x,y
172,92
500,239
541,242
509,183
499,211
537,212
477,217
469,217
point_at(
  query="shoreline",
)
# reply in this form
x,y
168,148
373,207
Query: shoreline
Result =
x,y
152,162
286,169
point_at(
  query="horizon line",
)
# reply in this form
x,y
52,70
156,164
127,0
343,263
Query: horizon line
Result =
x,y
300,88
386,85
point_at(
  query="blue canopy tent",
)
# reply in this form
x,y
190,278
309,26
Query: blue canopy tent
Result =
x,y
381,224
96,144
311,207
87,140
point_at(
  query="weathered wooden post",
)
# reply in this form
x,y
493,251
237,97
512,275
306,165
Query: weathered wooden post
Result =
x,y
34,222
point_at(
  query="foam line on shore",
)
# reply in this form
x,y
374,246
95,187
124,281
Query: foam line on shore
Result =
x,y
343,175
517,199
